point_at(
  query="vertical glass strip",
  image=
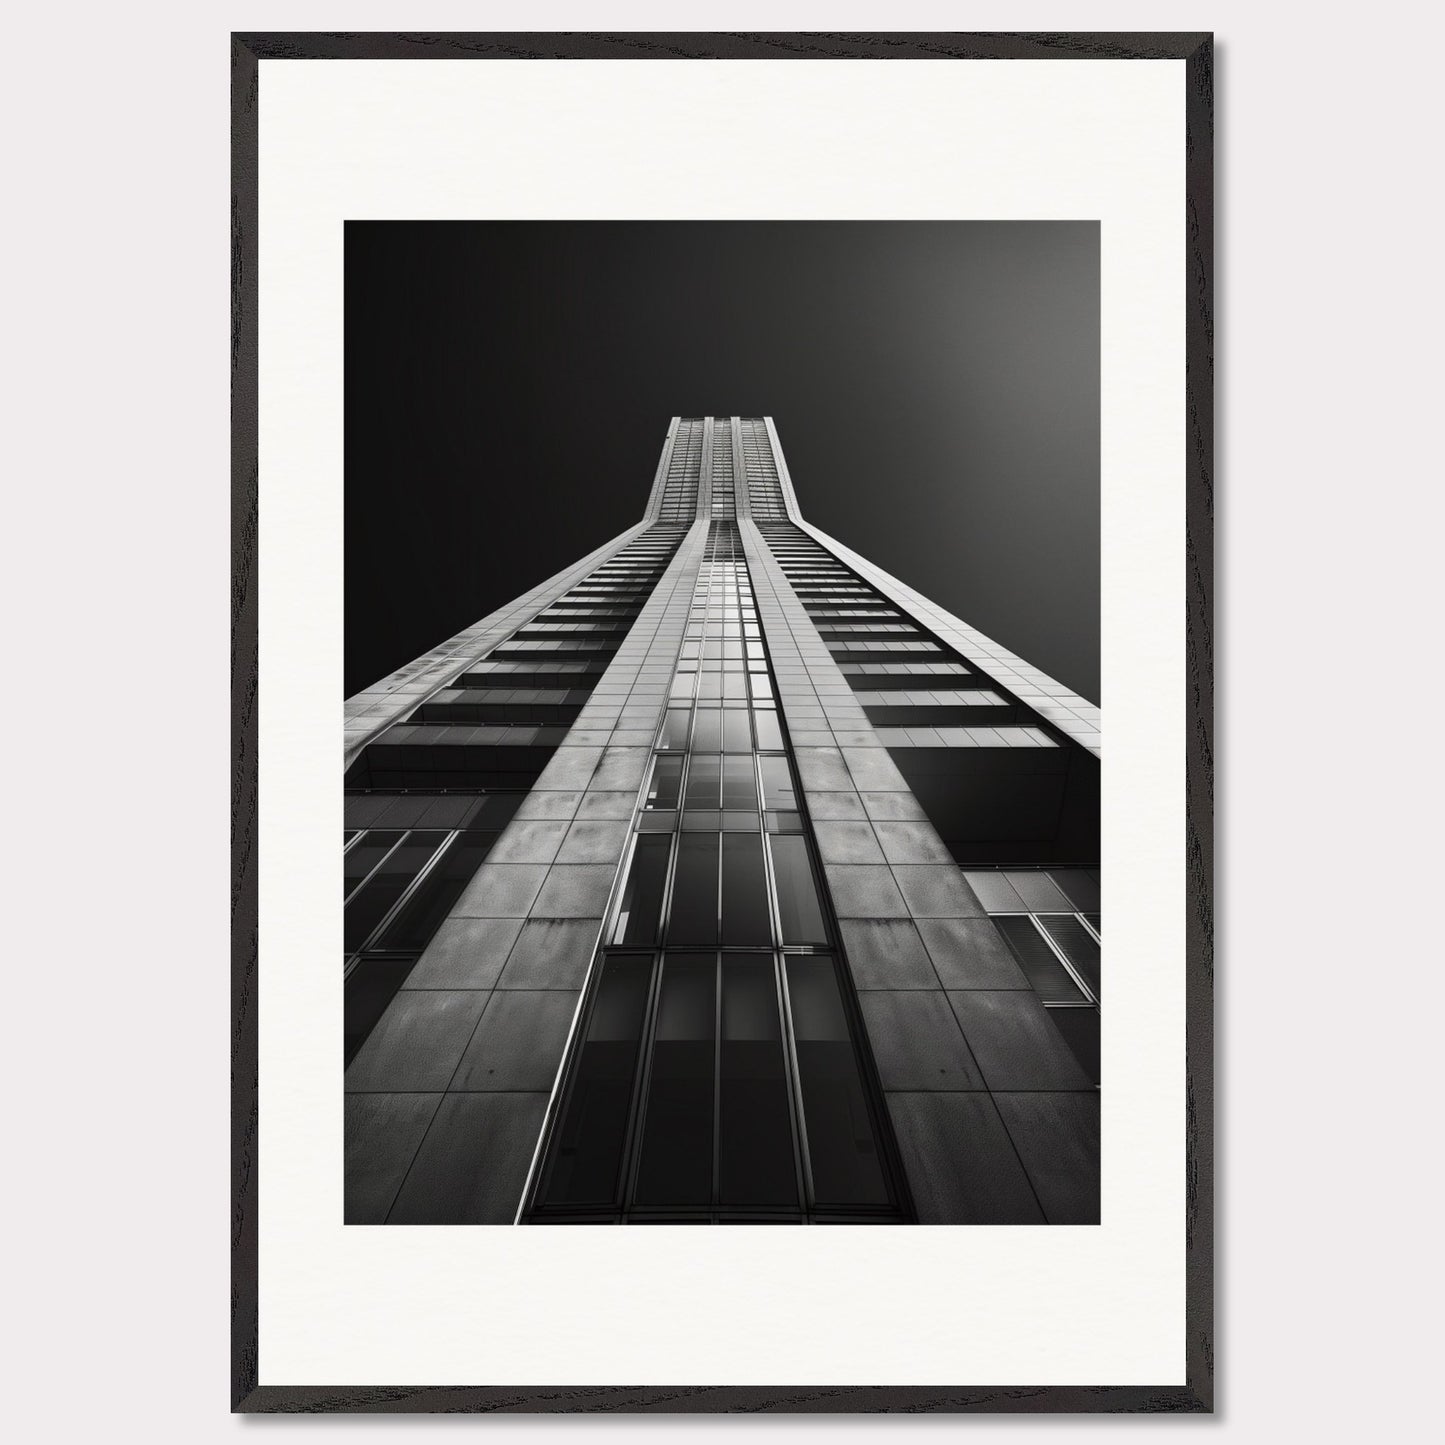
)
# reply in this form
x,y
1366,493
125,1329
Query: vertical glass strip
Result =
x,y
675,1167
756,1162
842,1149
641,903
587,1152
727,1063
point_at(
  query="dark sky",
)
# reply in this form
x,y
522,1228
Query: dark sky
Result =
x,y
935,387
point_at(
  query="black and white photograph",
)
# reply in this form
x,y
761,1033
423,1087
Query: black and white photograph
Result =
x,y
716,487
722,731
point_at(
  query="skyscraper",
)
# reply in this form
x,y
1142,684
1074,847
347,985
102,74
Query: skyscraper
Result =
x,y
721,878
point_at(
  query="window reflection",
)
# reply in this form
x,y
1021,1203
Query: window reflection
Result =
x,y
731,1077
675,1165
587,1156
755,1144
637,913
842,1149
693,916
800,914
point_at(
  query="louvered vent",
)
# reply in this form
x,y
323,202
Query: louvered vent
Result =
x,y
1076,944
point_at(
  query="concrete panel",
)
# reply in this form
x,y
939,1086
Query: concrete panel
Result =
x,y
570,769
916,1041
594,841
960,1162
886,953
1057,1136
864,892
937,891
969,953
418,1043
912,843
518,1044
620,770
872,769
901,806
1015,1042
501,890
473,1164
823,770
551,953
528,841
383,1132
846,806
575,890
465,953
607,805
539,804
840,842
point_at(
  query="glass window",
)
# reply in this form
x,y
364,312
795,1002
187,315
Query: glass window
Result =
x,y
739,782
362,857
385,886
799,911
424,912
755,1136
770,735
704,776
778,784
674,729
842,1149
675,1166
587,1152
666,783
707,735
736,734
784,823
693,918
745,914
642,893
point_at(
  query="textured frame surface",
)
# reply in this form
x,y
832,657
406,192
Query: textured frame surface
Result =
x,y
247,1394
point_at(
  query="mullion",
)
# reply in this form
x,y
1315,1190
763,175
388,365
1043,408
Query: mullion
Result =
x,y
367,877
409,891
642,1082
723,614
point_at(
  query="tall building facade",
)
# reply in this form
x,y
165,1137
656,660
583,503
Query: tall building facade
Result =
x,y
722,878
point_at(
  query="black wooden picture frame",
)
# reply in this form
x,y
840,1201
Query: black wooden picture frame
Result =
x,y
248,1394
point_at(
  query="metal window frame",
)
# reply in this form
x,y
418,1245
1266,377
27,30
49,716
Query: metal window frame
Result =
x,y
446,846
715,592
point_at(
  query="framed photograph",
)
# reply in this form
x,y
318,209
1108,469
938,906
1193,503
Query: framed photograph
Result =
x,y
726,482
